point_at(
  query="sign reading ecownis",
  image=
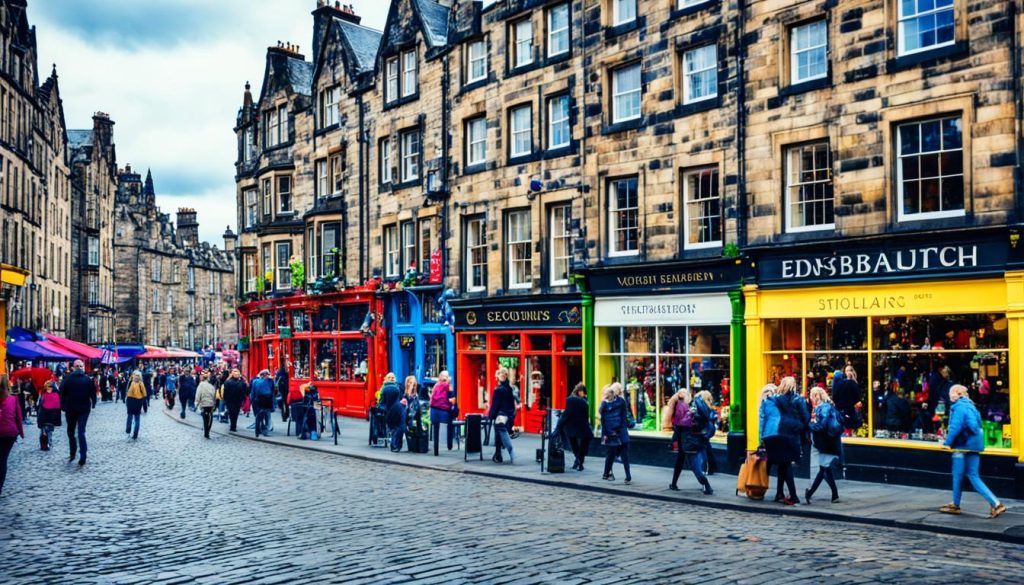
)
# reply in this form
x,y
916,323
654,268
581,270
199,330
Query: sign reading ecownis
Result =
x,y
895,261
703,309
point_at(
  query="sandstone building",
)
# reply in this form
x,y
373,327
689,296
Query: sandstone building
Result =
x,y
171,289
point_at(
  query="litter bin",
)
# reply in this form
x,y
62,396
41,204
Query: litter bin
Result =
x,y
473,443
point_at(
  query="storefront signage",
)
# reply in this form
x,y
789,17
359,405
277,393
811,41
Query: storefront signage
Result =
x,y
522,315
700,309
666,277
887,262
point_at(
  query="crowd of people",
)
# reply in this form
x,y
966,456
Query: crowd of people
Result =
x,y
787,419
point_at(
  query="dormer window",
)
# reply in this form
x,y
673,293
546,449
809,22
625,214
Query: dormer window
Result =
x,y
391,89
409,66
275,124
328,106
476,61
401,72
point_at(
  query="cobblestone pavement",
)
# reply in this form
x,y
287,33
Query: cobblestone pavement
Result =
x,y
175,508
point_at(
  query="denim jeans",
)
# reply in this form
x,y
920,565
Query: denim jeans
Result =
x,y
396,438
262,421
76,422
184,404
620,451
697,461
298,413
502,439
132,418
967,464
437,418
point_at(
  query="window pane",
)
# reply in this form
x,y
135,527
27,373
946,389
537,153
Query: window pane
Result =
x,y
931,167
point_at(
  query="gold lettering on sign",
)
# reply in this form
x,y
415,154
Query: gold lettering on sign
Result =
x,y
862,303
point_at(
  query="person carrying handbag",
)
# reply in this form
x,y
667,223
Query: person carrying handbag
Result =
x,y
442,410
615,426
502,412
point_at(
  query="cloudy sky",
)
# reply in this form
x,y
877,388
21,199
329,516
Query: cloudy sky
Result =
x,y
171,74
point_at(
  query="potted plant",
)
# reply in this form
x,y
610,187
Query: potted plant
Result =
x,y
298,273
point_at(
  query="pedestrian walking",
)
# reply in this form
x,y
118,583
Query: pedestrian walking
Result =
x,y
135,401
234,394
281,385
826,436
390,394
412,415
502,413
261,395
614,431
49,414
574,425
966,440
695,442
442,410
206,399
187,390
123,381
77,398
10,425
680,417
147,379
784,423
170,387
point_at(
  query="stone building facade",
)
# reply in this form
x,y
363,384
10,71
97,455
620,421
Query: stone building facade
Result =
x,y
94,183
35,181
172,289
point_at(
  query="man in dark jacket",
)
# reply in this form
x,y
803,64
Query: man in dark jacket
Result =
x,y
187,390
575,423
281,383
261,394
235,390
503,409
77,399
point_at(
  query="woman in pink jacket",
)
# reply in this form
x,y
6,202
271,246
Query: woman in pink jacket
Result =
x,y
10,425
49,414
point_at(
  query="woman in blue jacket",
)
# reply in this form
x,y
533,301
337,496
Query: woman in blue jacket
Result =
x,y
615,430
965,439
783,426
826,443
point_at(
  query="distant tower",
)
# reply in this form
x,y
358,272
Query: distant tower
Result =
x,y
188,227
230,240
148,194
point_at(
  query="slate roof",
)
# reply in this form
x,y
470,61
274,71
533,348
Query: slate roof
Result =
x,y
363,41
300,76
435,21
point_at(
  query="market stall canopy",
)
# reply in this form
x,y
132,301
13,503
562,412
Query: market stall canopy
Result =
x,y
79,349
154,353
37,350
38,376
119,354
181,353
22,334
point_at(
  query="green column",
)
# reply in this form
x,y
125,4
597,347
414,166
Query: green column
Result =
x,y
589,357
737,381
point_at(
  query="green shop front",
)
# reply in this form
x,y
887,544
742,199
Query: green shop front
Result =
x,y
661,327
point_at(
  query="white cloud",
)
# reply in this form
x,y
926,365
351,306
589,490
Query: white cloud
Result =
x,y
174,103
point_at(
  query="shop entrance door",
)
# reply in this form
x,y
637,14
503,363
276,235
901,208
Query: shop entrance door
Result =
x,y
570,373
538,392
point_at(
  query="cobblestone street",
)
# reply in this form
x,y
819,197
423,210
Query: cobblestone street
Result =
x,y
175,508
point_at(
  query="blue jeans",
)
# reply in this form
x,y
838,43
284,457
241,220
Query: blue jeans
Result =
x,y
262,421
967,463
697,462
76,422
184,404
396,438
132,418
298,414
502,439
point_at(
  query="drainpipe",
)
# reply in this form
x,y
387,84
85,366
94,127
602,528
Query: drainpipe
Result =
x,y
363,188
445,151
1015,65
741,126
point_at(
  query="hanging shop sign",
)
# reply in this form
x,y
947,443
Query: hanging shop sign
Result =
x,y
885,261
666,277
524,314
700,309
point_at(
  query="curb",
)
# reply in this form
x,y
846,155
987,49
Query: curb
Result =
x,y
802,512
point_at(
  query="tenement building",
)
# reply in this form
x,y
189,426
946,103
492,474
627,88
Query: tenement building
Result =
x,y
172,289
669,194
94,182
35,185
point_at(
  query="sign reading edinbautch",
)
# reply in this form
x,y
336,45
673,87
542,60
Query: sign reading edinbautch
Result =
x,y
897,261
698,309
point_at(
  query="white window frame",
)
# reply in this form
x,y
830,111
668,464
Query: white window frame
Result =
x,y
281,282
689,199
794,185
522,46
94,251
391,80
629,93
425,242
559,221
407,237
386,175
680,4
282,123
476,141
251,208
326,246
520,120
334,168
250,273
476,61
321,178
901,216
795,51
281,209
410,155
623,12
904,19
329,99
519,238
558,118
270,120
558,38
476,253
613,213
392,253
410,65
311,265
699,70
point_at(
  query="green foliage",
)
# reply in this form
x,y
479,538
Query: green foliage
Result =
x,y
298,273
731,250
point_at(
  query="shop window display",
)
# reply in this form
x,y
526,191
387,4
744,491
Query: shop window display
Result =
x,y
326,360
904,366
653,363
300,358
434,355
326,319
353,364
282,319
268,324
300,321
350,317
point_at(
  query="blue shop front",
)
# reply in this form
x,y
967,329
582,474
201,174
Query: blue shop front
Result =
x,y
421,341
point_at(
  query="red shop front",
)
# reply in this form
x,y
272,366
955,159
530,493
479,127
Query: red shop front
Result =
x,y
540,343
334,339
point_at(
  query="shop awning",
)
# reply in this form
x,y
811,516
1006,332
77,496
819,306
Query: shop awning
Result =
x,y
155,353
181,353
79,349
12,275
121,353
22,334
38,376
33,350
